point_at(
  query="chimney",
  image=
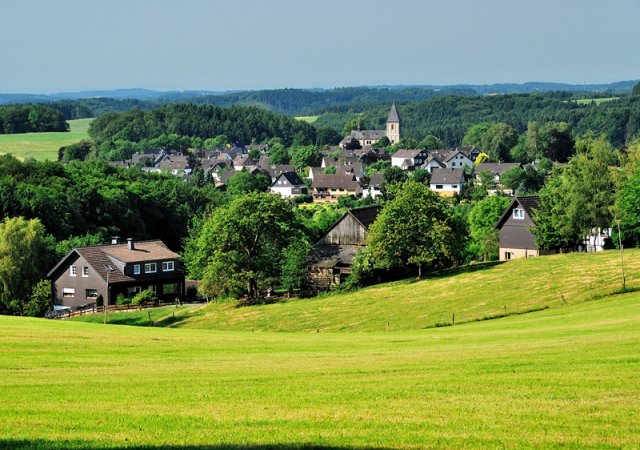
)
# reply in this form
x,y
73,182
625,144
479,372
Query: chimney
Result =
x,y
115,240
130,244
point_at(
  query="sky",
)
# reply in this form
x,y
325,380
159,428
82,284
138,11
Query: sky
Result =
x,y
73,45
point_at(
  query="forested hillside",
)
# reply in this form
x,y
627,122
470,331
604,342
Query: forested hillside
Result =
x,y
448,118
238,123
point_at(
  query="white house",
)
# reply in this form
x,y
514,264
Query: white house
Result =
x,y
288,185
447,182
408,159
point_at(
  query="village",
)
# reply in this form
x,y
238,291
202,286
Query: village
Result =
x,y
100,275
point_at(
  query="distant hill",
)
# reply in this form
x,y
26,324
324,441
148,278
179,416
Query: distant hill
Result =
x,y
300,102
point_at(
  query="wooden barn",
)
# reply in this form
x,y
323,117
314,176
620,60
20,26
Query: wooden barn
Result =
x,y
332,256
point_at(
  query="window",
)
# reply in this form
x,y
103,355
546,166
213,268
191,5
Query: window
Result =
x,y
85,271
150,268
131,291
171,288
507,255
455,186
518,213
73,271
453,164
91,293
438,186
167,266
136,269
68,292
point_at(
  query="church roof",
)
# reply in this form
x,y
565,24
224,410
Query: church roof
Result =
x,y
393,114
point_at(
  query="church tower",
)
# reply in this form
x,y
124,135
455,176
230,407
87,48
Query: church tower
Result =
x,y
393,125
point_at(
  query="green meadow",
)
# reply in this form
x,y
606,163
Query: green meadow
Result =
x,y
308,119
472,293
597,101
44,146
564,377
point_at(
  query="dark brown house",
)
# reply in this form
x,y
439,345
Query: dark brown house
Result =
x,y
332,256
514,227
86,273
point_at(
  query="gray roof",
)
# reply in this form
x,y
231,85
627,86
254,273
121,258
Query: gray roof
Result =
x,y
292,178
393,114
447,176
529,204
406,153
368,134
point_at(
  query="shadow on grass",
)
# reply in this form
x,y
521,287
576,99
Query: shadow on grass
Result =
x,y
24,444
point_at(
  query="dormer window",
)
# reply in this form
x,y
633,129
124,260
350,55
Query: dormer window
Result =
x,y
518,213
150,268
136,269
167,266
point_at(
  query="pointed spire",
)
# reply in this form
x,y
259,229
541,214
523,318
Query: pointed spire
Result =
x,y
393,114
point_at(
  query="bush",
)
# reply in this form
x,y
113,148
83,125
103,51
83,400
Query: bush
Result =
x,y
146,297
122,300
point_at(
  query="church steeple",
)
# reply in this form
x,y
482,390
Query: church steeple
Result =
x,y
393,124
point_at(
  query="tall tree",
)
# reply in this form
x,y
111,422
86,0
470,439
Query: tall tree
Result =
x,y
24,259
578,197
416,227
239,247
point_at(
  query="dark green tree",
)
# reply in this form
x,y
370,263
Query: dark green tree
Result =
x,y
417,227
239,247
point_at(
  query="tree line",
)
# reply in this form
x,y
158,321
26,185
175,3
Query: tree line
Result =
x,y
31,119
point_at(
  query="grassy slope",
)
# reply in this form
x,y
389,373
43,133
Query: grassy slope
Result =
x,y
561,377
519,285
43,146
162,316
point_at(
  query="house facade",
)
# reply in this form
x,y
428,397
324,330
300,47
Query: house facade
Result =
x,y
289,185
409,159
514,228
447,182
330,187
106,271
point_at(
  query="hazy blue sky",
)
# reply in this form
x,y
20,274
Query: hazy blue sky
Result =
x,y
50,46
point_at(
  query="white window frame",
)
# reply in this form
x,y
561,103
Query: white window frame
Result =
x,y
73,271
86,293
85,271
168,266
68,292
136,269
148,266
518,213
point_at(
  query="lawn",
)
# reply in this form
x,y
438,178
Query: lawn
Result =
x,y
475,293
563,377
44,146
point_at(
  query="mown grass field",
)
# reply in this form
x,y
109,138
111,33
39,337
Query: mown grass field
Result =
x,y
597,101
564,377
308,119
43,146
473,294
